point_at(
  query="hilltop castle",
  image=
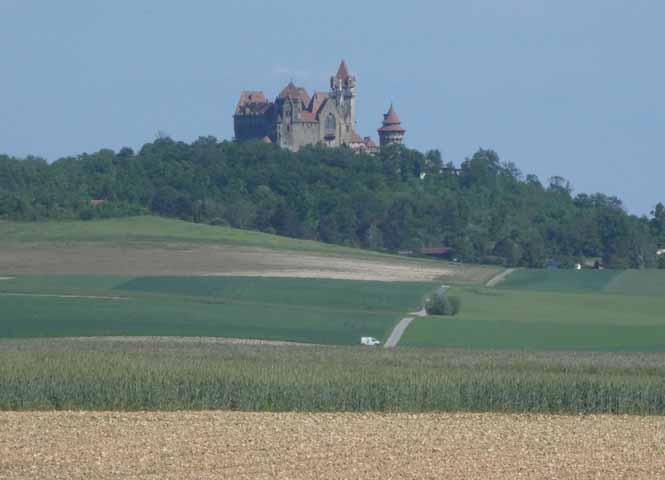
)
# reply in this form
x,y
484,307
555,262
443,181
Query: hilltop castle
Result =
x,y
294,119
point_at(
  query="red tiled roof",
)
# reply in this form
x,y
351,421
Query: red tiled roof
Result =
x,y
254,101
391,117
304,96
342,71
391,122
355,138
252,96
308,116
318,99
369,142
392,128
291,91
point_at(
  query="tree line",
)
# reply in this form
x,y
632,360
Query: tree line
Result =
x,y
485,210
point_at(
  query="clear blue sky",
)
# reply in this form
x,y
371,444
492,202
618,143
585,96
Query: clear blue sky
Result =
x,y
570,88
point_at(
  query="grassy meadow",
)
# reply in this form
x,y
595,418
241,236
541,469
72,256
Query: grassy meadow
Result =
x,y
639,283
158,230
608,310
153,230
97,374
303,310
563,281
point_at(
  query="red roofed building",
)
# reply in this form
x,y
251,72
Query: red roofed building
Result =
x,y
391,132
294,119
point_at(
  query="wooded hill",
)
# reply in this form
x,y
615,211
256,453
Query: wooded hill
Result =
x,y
400,199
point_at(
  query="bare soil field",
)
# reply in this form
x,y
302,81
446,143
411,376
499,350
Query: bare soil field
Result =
x,y
146,259
233,445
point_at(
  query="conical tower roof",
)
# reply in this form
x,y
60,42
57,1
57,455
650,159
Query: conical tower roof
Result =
x,y
391,122
391,117
342,71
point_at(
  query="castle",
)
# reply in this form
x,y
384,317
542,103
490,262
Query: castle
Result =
x,y
294,119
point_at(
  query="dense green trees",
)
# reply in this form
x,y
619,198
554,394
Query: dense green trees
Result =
x,y
400,199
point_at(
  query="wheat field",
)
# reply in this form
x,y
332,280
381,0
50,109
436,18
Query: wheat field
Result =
x,y
240,445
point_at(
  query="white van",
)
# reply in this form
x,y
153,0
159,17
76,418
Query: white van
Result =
x,y
369,341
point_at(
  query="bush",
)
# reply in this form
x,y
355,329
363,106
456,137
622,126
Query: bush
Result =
x,y
456,304
440,303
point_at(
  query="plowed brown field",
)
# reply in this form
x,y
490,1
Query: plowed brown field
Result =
x,y
38,259
205,445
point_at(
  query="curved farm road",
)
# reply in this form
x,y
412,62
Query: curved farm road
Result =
x,y
261,446
496,279
400,328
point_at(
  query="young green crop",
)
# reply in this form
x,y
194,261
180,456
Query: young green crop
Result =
x,y
545,320
197,374
302,310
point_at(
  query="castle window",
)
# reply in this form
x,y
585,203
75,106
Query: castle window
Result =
x,y
331,122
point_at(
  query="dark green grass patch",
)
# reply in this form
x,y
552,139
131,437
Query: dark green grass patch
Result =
x,y
64,317
303,310
335,294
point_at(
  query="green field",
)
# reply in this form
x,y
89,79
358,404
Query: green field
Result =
x,y
628,282
304,310
162,231
555,310
605,310
571,281
156,229
102,374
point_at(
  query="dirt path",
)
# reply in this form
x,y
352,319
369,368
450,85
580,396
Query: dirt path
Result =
x,y
400,328
496,279
262,446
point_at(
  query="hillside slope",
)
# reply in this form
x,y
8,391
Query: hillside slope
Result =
x,y
157,246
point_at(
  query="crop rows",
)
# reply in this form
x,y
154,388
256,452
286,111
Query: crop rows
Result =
x,y
172,375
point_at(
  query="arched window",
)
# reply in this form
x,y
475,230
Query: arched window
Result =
x,y
331,122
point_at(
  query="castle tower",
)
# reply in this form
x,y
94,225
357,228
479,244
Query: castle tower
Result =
x,y
343,92
391,131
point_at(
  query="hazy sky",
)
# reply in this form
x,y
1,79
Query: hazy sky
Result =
x,y
570,88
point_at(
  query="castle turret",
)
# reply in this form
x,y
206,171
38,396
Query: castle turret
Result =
x,y
391,131
343,92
